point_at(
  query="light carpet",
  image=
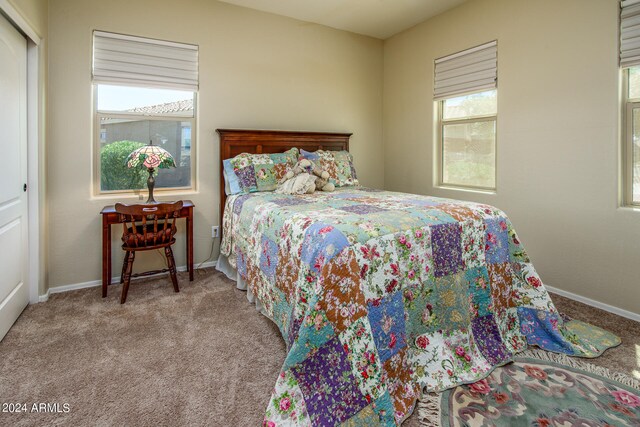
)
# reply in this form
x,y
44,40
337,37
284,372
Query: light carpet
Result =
x,y
203,356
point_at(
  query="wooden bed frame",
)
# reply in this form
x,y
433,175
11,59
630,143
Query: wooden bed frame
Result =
x,y
236,141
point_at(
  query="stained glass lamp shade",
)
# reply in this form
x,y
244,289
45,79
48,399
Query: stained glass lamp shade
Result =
x,y
151,157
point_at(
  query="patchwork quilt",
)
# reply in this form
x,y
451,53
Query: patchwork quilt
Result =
x,y
380,295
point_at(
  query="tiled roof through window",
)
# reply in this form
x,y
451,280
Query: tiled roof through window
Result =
x,y
167,108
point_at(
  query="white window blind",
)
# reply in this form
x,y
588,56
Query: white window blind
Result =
x,y
630,33
123,59
472,70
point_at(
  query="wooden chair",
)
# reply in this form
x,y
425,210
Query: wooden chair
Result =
x,y
157,230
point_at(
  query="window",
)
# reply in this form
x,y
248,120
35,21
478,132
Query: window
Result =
x,y
630,63
141,99
130,117
468,138
465,91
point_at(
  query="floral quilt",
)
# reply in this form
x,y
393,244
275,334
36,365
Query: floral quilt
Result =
x,y
380,295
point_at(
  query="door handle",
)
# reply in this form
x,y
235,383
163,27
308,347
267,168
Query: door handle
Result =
x,y
24,188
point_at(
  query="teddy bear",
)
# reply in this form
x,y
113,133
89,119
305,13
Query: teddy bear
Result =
x,y
322,176
322,182
305,178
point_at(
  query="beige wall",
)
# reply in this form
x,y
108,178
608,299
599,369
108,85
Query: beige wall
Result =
x,y
256,71
36,13
558,137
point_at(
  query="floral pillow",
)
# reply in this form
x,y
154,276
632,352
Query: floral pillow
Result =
x,y
339,164
250,173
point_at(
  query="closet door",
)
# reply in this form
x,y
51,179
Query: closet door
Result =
x,y
14,295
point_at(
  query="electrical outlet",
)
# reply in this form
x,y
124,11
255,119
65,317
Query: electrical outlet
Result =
x,y
215,231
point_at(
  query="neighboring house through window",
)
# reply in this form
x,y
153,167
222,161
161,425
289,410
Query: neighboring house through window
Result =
x,y
145,91
465,91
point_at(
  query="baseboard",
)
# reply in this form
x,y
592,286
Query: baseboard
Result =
x,y
114,280
45,297
76,286
594,303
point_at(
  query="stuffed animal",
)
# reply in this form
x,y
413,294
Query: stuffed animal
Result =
x,y
302,183
305,178
303,166
297,181
323,184
322,176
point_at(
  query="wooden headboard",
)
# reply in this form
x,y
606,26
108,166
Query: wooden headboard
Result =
x,y
236,141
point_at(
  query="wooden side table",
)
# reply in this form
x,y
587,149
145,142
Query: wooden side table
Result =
x,y
110,217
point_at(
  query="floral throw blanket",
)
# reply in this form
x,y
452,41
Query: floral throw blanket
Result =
x,y
379,295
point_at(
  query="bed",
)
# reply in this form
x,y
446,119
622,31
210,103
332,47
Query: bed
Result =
x,y
381,296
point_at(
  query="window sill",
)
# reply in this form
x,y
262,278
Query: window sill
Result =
x,y
629,208
466,189
141,196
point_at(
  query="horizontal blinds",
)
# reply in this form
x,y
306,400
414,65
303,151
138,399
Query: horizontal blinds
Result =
x,y
630,33
472,70
130,60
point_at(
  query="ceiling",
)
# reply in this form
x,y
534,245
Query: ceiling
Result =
x,y
375,18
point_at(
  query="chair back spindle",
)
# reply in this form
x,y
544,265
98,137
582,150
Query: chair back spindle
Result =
x,y
157,228
141,232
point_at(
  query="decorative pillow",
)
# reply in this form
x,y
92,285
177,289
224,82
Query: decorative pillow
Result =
x,y
339,164
250,173
227,190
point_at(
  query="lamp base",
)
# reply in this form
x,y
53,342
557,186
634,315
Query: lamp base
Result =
x,y
151,182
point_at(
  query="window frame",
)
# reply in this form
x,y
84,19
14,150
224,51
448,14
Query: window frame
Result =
x,y
628,105
98,114
442,122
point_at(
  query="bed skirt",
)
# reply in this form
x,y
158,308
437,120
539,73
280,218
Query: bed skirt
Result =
x,y
224,267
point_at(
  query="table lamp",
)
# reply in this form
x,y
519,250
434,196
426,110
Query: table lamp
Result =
x,y
151,157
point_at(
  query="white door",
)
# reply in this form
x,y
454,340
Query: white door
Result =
x,y
14,295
